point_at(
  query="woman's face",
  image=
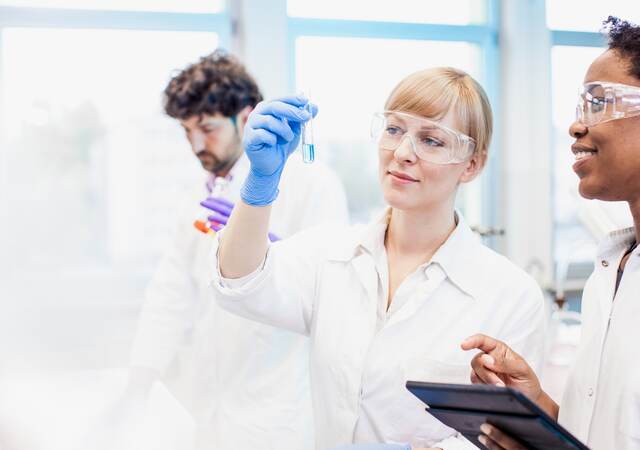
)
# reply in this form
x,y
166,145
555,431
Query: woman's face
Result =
x,y
410,183
612,168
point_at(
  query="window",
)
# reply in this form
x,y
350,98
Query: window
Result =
x,y
349,68
587,15
569,64
93,140
365,71
578,223
185,6
85,144
409,11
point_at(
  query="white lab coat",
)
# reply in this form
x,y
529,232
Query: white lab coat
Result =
x,y
601,403
332,284
247,382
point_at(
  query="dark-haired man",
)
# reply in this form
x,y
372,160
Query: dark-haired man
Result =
x,y
245,383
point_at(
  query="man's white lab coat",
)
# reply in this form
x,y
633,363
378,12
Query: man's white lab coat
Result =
x,y
601,403
248,382
332,285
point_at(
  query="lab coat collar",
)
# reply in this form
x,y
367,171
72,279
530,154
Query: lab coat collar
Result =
x,y
361,240
372,240
616,242
462,245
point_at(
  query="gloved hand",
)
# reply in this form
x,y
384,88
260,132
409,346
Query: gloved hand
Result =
x,y
271,134
221,211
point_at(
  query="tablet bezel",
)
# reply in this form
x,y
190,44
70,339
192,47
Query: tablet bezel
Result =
x,y
513,403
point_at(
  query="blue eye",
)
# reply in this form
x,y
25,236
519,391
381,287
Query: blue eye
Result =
x,y
432,142
393,131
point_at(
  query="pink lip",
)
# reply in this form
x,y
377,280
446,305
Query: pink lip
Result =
x,y
402,177
578,165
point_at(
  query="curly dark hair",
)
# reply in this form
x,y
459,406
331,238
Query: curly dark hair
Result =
x,y
218,83
624,38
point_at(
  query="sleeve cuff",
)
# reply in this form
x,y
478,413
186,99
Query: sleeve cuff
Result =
x,y
235,286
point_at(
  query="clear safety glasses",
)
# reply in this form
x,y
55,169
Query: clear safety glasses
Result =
x,y
600,101
430,141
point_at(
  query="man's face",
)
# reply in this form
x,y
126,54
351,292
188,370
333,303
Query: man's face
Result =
x,y
215,140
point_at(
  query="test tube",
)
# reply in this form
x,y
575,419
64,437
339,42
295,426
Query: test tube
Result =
x,y
220,185
308,147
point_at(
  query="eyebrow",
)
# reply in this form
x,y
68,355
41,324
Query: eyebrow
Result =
x,y
425,127
210,121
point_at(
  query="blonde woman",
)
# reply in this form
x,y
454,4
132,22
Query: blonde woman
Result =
x,y
389,301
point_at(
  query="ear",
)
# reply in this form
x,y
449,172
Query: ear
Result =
x,y
241,118
473,167
243,115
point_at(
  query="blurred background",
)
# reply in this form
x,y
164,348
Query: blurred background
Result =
x,y
92,172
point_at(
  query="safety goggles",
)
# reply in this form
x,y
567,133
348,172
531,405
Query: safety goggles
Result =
x,y
430,141
600,101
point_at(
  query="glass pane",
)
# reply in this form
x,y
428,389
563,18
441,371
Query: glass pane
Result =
x,y
92,172
358,87
461,12
187,6
588,15
579,223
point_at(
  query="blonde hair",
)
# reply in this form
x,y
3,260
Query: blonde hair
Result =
x,y
432,93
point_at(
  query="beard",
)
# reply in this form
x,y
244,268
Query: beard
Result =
x,y
207,160
218,166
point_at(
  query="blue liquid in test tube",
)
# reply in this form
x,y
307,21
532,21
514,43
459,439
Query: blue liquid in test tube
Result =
x,y
308,147
308,153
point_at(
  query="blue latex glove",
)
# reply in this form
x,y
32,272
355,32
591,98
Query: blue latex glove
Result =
x,y
271,134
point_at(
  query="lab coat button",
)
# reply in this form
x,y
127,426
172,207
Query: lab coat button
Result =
x,y
605,263
590,392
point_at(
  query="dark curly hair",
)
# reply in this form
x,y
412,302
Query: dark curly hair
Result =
x,y
218,83
624,38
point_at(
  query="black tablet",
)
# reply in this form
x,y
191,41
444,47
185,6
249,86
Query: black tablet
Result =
x,y
464,407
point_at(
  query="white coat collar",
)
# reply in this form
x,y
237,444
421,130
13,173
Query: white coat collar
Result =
x,y
457,257
460,258
616,242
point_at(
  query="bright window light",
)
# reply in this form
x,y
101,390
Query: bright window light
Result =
x,y
463,12
186,6
87,141
588,15
350,79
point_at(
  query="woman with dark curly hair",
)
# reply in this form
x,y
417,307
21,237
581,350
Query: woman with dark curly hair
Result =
x,y
601,404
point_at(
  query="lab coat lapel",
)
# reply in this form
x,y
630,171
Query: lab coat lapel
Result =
x,y
418,299
366,273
